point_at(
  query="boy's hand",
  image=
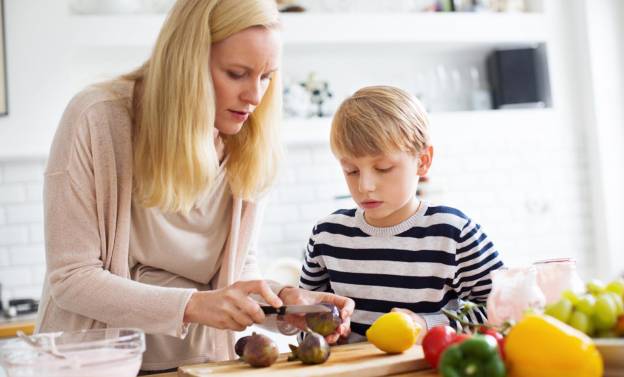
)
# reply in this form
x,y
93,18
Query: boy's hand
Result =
x,y
417,319
298,296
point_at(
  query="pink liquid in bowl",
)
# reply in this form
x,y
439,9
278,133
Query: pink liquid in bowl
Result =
x,y
91,353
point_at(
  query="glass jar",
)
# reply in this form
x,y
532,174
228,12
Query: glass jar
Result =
x,y
87,353
557,275
514,290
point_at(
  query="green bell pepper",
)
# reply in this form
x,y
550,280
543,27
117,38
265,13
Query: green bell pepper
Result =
x,y
476,356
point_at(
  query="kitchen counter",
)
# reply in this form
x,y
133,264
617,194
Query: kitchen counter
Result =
x,y
10,326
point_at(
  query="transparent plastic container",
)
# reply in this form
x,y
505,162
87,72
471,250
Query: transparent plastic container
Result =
x,y
514,290
88,353
557,275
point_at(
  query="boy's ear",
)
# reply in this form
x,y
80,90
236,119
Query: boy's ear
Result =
x,y
426,157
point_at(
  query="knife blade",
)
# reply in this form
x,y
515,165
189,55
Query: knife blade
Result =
x,y
295,309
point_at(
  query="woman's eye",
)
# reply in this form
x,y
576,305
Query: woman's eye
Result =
x,y
235,75
267,77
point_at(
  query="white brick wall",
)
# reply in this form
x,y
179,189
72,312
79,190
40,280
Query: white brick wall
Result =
x,y
526,184
22,254
524,181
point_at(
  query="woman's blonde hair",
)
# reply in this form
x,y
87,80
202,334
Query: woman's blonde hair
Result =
x,y
377,120
175,160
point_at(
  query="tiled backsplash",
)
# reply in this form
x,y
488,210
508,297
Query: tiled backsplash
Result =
x,y
530,196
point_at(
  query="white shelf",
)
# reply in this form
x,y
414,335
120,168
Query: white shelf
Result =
x,y
475,28
319,28
315,131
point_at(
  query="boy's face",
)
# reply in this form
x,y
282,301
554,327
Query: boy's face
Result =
x,y
385,185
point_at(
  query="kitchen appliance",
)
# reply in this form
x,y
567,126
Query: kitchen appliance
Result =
x,y
519,77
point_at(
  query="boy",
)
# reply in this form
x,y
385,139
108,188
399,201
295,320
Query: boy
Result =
x,y
394,252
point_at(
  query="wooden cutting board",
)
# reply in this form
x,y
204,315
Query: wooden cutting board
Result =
x,y
357,360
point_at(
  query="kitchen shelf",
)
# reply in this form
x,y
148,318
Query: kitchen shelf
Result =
x,y
315,131
337,28
429,28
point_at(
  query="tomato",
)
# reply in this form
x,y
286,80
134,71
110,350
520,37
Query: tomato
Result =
x,y
500,339
437,340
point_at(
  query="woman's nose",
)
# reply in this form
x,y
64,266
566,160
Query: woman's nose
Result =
x,y
253,93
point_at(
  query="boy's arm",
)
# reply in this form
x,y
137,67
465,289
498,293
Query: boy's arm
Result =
x,y
314,275
475,258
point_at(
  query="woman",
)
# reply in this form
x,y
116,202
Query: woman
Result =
x,y
152,186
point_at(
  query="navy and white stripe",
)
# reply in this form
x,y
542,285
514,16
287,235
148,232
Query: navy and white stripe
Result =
x,y
435,259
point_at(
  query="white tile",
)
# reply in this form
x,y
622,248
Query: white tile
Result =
x,y
13,235
24,213
30,291
15,276
270,234
280,213
297,156
38,274
24,172
296,194
34,192
27,255
12,193
3,219
36,233
4,257
298,232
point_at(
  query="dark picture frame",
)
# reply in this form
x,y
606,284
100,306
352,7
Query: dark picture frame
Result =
x,y
4,103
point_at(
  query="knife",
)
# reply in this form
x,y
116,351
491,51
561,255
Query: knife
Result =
x,y
295,309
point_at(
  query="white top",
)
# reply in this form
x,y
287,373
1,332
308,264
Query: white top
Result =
x,y
182,251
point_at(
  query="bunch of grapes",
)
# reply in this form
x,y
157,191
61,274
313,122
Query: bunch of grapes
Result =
x,y
598,312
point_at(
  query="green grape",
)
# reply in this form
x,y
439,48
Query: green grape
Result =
x,y
595,286
570,295
617,300
561,310
616,286
585,304
581,322
604,312
609,333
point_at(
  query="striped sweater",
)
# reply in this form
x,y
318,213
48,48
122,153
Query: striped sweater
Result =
x,y
434,259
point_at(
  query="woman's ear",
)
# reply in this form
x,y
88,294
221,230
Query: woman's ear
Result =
x,y
425,159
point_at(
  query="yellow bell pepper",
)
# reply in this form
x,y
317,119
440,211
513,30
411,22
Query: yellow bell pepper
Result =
x,y
542,346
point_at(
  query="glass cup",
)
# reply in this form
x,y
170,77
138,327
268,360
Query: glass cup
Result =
x,y
557,275
514,291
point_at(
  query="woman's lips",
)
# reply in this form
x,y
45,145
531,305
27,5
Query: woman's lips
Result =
x,y
239,116
371,204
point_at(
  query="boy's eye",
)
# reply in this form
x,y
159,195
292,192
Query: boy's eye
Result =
x,y
351,172
384,170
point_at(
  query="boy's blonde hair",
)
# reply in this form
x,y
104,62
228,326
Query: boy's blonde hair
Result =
x,y
175,161
377,120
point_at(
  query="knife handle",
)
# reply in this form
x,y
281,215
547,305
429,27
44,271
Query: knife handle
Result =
x,y
271,310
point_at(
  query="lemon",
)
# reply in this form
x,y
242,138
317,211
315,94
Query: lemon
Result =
x,y
393,332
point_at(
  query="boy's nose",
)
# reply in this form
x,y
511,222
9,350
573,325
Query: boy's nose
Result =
x,y
366,183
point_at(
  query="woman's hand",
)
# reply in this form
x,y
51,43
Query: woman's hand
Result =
x,y
298,296
230,308
417,319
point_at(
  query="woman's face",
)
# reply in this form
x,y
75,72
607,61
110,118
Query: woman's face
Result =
x,y
241,67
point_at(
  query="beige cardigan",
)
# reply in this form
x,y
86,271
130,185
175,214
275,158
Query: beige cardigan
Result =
x,y
87,199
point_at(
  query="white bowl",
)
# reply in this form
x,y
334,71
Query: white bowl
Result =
x,y
88,353
612,351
